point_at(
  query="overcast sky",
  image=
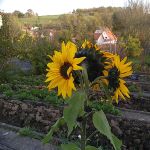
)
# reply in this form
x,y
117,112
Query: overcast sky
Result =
x,y
52,7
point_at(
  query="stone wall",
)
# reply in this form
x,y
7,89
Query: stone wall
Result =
x,y
35,115
135,134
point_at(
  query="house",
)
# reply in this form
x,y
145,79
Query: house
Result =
x,y
105,39
50,33
34,28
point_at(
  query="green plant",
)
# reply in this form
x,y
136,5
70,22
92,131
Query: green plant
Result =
x,y
39,54
8,93
78,110
106,107
25,95
133,88
131,45
27,131
4,87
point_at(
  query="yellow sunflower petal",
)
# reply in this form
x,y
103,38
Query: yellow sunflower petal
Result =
x,y
120,94
78,60
54,83
115,97
105,73
71,49
124,60
69,70
76,67
126,74
84,44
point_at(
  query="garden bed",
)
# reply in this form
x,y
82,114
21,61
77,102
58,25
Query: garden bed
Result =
x,y
36,115
25,102
134,131
135,103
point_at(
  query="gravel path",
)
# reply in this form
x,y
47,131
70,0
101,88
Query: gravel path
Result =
x,y
135,115
10,140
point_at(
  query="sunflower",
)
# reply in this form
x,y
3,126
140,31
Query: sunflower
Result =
x,y
86,44
114,73
61,68
95,59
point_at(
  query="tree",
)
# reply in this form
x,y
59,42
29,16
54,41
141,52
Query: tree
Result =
x,y
8,33
29,13
18,14
131,45
134,20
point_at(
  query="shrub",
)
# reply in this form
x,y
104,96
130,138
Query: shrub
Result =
x,y
131,45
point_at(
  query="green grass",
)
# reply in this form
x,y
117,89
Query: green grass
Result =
x,y
38,19
27,131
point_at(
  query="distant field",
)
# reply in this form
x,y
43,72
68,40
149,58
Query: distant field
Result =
x,y
39,19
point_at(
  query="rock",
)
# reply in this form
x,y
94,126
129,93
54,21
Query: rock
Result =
x,y
137,141
148,126
15,107
12,112
24,106
40,109
118,131
137,129
116,128
45,122
114,123
53,115
57,111
31,115
23,115
128,132
127,106
47,128
38,117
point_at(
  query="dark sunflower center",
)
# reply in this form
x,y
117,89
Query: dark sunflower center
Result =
x,y
64,69
94,62
113,78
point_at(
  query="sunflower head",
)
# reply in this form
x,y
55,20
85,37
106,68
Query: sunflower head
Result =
x,y
61,67
86,44
113,78
95,60
115,72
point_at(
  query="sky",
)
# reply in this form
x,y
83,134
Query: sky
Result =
x,y
54,7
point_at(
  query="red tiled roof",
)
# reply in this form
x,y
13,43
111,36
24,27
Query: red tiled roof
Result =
x,y
96,36
108,32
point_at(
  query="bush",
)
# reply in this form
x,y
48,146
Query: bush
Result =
x,y
8,33
131,45
39,54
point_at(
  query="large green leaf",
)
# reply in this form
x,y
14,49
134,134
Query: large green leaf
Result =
x,y
102,125
76,105
53,129
117,142
69,147
90,148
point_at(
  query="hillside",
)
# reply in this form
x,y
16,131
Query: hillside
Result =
x,y
38,19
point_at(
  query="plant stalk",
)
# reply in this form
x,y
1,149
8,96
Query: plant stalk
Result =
x,y
84,123
83,134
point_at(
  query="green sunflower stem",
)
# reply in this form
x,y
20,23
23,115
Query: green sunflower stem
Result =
x,y
85,78
84,122
97,80
83,134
